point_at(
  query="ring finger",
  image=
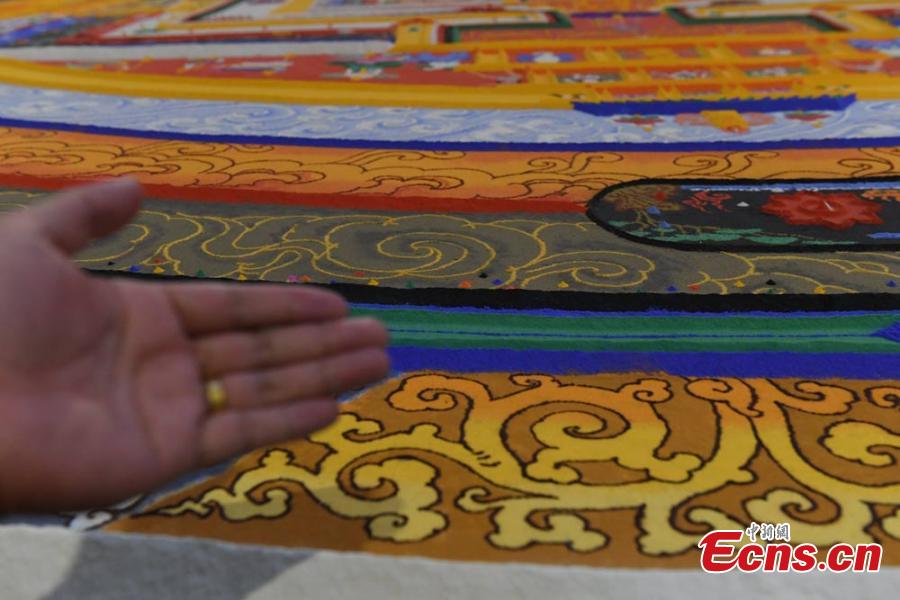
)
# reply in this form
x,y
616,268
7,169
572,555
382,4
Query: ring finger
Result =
x,y
319,378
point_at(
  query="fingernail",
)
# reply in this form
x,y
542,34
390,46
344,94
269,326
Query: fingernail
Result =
x,y
359,321
370,324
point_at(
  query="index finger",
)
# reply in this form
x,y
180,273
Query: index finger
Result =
x,y
206,308
75,217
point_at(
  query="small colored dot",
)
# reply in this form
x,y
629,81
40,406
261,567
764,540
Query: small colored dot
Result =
x,y
693,287
892,283
374,282
465,285
135,269
497,281
672,288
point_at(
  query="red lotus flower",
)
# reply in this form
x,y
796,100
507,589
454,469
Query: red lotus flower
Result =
x,y
837,210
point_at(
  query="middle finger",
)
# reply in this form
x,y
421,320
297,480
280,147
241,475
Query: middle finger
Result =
x,y
224,353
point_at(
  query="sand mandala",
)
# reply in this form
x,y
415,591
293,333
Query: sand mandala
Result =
x,y
640,258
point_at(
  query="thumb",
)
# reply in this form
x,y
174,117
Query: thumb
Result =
x,y
73,219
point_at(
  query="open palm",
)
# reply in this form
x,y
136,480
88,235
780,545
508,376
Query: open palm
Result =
x,y
102,381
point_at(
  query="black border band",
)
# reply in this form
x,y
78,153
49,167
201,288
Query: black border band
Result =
x,y
582,301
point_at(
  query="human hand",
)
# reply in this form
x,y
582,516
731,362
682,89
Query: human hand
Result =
x,y
102,381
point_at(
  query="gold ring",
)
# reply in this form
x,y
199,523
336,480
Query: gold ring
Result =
x,y
216,398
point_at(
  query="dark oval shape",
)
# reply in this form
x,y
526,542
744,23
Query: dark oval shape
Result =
x,y
811,215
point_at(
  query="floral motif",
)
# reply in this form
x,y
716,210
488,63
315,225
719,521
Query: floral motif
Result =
x,y
806,116
635,198
438,62
886,195
730,121
834,210
704,199
723,215
646,122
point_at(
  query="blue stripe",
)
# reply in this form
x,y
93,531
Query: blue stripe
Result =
x,y
687,364
463,146
22,34
674,107
891,333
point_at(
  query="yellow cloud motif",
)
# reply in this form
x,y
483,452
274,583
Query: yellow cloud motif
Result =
x,y
855,441
542,457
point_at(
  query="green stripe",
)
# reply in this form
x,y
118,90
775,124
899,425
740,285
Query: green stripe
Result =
x,y
724,325
451,329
